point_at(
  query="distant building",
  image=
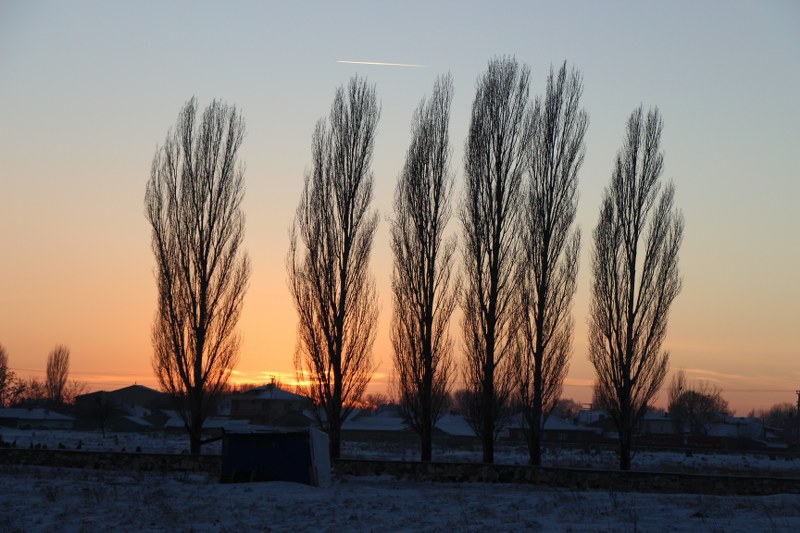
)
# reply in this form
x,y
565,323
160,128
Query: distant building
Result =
x,y
133,408
269,405
34,418
383,424
554,430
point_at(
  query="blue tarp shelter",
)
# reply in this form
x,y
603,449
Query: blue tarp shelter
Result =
x,y
300,456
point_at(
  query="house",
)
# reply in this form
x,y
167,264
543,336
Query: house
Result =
x,y
455,430
133,408
655,423
266,404
385,423
133,395
554,430
738,432
129,423
790,432
34,418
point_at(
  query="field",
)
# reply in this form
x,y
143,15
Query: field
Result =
x,y
60,499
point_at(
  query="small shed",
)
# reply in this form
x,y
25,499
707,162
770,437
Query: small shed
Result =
x,y
300,456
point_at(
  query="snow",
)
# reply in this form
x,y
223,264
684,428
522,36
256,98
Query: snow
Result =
x,y
57,499
176,441
62,499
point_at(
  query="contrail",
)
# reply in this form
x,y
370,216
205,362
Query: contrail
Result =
x,y
380,64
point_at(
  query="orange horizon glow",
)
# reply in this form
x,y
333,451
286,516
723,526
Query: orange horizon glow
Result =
x,y
90,89
742,399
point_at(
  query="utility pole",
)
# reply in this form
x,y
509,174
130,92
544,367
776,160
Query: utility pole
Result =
x,y
798,402
797,417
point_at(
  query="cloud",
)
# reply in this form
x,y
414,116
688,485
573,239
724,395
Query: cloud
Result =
x,y
380,63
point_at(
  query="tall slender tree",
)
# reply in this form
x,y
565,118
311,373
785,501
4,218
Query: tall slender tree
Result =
x,y
193,204
328,268
57,373
7,378
549,257
635,279
424,296
495,160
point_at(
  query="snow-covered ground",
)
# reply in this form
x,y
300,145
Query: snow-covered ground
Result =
x,y
146,442
58,499
762,464
62,499
177,442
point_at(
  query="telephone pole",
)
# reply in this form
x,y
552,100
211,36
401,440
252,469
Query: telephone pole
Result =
x,y
797,417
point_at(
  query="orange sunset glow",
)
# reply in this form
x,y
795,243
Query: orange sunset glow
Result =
x,y
87,93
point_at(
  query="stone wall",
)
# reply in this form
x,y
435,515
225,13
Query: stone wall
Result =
x,y
567,478
570,478
137,462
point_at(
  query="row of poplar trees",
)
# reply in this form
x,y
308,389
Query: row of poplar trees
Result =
x,y
519,247
520,259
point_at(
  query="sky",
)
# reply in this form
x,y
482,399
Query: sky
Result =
x,y
88,90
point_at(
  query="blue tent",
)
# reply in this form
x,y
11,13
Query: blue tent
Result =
x,y
276,455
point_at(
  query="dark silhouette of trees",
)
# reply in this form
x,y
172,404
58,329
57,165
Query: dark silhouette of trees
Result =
x,y
494,166
328,261
74,389
6,377
635,279
424,297
57,374
193,204
697,405
102,410
16,390
566,408
28,391
778,415
548,259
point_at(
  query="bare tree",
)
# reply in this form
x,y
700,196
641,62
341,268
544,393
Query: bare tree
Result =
x,y
494,166
424,296
28,391
566,408
548,262
100,409
74,389
193,203
57,374
7,378
328,268
780,415
635,279
699,405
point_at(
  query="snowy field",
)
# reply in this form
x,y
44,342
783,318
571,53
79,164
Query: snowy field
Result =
x,y
177,442
53,499
61,499
749,464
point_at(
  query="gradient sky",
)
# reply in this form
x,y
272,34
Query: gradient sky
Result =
x,y
89,89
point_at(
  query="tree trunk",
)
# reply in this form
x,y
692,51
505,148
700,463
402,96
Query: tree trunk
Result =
x,y
535,438
625,450
335,433
195,432
625,437
488,445
426,444
335,437
535,442
488,418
